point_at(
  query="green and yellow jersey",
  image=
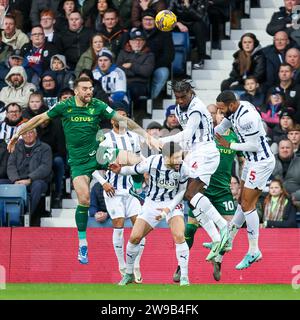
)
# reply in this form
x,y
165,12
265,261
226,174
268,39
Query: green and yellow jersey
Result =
x,y
81,125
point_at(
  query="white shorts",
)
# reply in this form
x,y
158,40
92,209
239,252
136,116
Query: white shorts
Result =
x,y
203,161
256,174
149,211
122,206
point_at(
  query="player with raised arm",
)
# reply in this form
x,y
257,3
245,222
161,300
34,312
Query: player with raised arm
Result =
x,y
202,159
259,164
119,202
168,176
218,192
81,116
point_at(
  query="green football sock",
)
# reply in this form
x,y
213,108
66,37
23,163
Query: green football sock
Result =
x,y
189,234
81,218
138,181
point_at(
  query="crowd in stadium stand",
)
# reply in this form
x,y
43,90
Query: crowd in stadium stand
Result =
x,y
46,44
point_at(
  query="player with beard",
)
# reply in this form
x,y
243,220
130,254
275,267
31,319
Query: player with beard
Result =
x,y
246,122
203,159
81,116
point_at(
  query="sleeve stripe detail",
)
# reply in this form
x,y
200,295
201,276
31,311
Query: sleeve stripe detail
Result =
x,y
251,134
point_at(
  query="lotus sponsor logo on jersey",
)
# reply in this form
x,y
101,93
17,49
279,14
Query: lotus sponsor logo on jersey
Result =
x,y
163,182
81,119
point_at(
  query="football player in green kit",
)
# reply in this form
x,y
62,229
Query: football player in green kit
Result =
x,y
81,116
218,192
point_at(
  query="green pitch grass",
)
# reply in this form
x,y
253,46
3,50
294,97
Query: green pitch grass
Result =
x,y
148,292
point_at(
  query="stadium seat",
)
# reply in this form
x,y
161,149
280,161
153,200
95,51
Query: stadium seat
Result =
x,y
13,204
181,42
298,219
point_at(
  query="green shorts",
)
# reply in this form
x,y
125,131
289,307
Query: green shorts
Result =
x,y
99,161
224,205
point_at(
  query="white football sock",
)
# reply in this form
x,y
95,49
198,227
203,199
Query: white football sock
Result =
x,y
82,242
132,250
202,203
138,258
252,221
118,243
208,225
237,221
182,254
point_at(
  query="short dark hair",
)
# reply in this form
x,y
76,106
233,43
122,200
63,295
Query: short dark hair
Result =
x,y
13,104
226,97
11,16
251,78
65,91
285,64
82,79
111,10
170,148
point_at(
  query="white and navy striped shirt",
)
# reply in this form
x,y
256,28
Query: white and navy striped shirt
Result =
x,y
163,182
128,141
7,131
198,119
247,124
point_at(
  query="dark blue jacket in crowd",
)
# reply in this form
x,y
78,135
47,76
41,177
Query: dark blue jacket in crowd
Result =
x,y
97,202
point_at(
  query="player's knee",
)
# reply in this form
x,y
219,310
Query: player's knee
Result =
x,y
135,239
84,199
246,205
178,236
189,194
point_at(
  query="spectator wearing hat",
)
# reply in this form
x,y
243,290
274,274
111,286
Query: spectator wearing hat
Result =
x,y
280,131
287,168
4,50
294,136
11,35
271,110
18,89
115,36
47,21
138,63
171,125
161,44
64,77
14,59
111,77
289,89
248,61
75,40
37,54
139,7
154,129
49,88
